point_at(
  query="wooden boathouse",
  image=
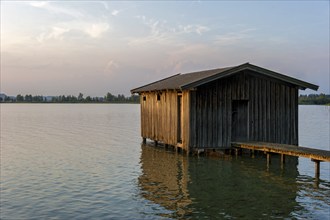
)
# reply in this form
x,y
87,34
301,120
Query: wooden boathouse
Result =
x,y
211,109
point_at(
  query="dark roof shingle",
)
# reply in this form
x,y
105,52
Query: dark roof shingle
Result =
x,y
190,80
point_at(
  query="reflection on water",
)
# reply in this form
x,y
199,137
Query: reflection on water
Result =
x,y
241,188
164,180
86,162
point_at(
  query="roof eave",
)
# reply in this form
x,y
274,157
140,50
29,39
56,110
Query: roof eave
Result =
x,y
246,66
140,89
301,84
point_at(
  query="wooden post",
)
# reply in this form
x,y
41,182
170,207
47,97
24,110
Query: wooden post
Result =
x,y
156,143
236,152
144,140
252,153
268,159
282,160
317,168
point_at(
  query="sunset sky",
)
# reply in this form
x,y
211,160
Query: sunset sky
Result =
x,y
55,48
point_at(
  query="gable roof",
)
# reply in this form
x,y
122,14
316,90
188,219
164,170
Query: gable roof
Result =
x,y
194,79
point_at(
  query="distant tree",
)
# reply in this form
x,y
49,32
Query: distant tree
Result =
x,y
8,99
314,99
19,98
80,97
109,97
28,98
88,99
55,99
134,98
37,98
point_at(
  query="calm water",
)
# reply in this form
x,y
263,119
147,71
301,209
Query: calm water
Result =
x,y
86,162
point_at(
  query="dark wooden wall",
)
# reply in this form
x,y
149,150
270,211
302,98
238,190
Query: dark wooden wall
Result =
x,y
272,111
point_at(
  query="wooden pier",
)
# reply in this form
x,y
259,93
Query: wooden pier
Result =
x,y
315,155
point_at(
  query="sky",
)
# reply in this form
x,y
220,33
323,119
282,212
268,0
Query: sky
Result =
x,y
95,47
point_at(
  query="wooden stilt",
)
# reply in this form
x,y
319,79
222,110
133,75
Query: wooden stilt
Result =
x,y
252,153
144,140
156,143
236,152
282,158
317,168
268,159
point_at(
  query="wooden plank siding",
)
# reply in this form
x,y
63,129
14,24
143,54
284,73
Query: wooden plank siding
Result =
x,y
206,112
159,118
272,111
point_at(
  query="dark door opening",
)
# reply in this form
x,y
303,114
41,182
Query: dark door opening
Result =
x,y
239,125
179,119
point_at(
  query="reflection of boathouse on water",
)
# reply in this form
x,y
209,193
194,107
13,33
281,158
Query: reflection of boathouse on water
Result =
x,y
190,187
211,109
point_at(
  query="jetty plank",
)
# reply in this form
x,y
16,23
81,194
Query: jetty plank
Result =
x,y
292,150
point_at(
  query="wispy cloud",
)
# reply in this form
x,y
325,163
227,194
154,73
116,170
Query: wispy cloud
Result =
x,y
57,32
198,29
115,12
111,66
96,30
233,37
50,7
105,4
38,4
161,31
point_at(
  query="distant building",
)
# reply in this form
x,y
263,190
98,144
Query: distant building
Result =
x,y
212,108
2,97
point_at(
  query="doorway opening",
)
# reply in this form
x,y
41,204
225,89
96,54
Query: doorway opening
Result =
x,y
240,120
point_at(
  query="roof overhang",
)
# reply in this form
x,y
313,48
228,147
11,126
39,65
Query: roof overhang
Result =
x,y
246,66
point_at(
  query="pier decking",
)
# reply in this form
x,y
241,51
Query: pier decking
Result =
x,y
316,155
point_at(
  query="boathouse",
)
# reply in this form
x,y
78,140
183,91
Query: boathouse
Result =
x,y
211,109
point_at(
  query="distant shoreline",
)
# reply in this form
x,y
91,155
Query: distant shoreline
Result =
x,y
108,98
98,103
311,99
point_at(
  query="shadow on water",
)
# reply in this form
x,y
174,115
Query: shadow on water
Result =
x,y
223,188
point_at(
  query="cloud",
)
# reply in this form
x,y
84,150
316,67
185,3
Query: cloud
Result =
x,y
115,12
50,7
96,30
57,32
233,37
38,4
111,67
160,31
198,29
105,4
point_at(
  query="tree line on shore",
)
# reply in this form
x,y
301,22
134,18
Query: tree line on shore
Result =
x,y
311,99
314,99
108,98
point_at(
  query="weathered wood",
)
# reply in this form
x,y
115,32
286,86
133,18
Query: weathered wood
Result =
x,y
282,158
317,168
292,150
206,112
268,159
316,155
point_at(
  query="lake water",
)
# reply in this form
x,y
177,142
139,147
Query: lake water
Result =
x,y
85,161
